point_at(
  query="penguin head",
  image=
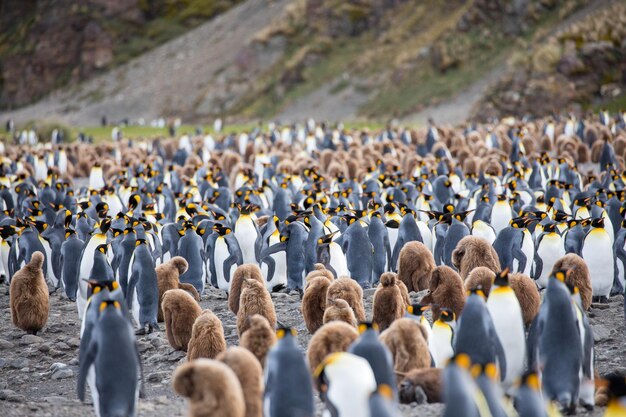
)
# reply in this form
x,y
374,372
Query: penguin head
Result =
x,y
561,274
222,230
447,315
502,278
550,227
104,225
140,242
286,332
477,290
418,309
133,201
110,305
94,287
102,249
560,216
326,239
69,232
367,325
598,223
531,380
39,226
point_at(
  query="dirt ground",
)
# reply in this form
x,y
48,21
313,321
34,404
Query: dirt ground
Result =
x,y
38,374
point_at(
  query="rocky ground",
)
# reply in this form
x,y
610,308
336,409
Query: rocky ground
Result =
x,y
38,373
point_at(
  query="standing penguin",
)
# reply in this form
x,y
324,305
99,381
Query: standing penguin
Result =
x,y
246,232
548,249
143,292
554,345
29,298
377,233
224,255
293,243
101,269
191,247
476,334
330,255
87,261
358,249
345,382
368,346
117,365
440,344
506,314
288,388
597,251
501,213
70,259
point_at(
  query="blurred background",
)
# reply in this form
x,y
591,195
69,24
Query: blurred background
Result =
x,y
148,62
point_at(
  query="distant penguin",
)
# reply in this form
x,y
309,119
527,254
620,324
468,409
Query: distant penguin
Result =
x,y
225,256
445,291
508,321
243,272
345,382
472,252
116,362
29,300
288,385
359,253
407,341
415,266
191,248
347,289
313,302
168,275
501,214
87,261
143,290
330,254
441,341
254,299
246,232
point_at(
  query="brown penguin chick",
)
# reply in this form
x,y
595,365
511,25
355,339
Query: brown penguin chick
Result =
x,y
243,272
168,275
314,302
255,299
250,376
408,342
578,275
207,337
527,294
418,381
180,311
212,388
446,290
335,336
482,276
473,251
339,310
29,297
388,303
319,271
404,292
350,291
415,264
259,338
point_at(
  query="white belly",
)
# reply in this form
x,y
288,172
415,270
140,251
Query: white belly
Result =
x,y
598,254
246,235
135,307
393,237
550,250
91,381
220,254
528,247
500,218
427,235
440,345
338,260
507,319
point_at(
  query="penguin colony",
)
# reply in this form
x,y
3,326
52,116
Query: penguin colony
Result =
x,y
499,222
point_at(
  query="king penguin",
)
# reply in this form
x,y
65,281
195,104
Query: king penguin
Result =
x,y
288,386
506,314
117,365
548,249
143,292
440,343
87,261
597,251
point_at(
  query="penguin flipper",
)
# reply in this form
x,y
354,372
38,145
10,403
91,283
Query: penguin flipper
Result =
x,y
271,267
90,356
393,266
278,247
538,266
519,254
130,290
500,355
588,350
534,332
228,263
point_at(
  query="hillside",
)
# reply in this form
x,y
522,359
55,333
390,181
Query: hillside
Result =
x,y
334,59
47,44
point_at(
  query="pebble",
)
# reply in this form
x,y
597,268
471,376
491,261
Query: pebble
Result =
x,y
157,376
29,339
62,346
176,355
74,342
19,363
157,342
44,348
74,362
56,366
57,400
157,358
600,333
5,344
63,373
143,346
3,363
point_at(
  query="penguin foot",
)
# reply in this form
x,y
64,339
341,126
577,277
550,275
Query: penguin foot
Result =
x,y
588,407
278,288
140,332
